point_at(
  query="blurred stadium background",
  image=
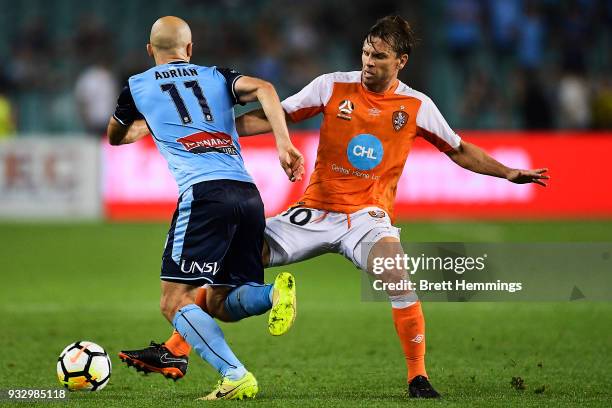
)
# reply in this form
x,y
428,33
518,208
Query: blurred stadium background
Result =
x,y
489,64
531,81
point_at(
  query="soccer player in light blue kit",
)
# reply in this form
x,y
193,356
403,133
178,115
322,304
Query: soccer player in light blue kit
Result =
x,y
217,232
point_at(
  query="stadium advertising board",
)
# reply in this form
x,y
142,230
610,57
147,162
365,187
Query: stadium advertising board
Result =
x,y
43,177
138,185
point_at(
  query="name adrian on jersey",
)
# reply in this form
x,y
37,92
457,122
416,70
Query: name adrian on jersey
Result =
x,y
204,142
176,73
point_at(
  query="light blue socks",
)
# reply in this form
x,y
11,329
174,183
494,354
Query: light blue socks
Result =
x,y
205,336
249,299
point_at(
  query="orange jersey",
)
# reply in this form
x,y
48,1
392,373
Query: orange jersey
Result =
x,y
365,139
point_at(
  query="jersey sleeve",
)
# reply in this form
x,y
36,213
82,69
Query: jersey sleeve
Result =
x,y
126,111
231,76
311,100
432,127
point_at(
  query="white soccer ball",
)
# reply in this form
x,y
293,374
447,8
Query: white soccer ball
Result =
x,y
83,365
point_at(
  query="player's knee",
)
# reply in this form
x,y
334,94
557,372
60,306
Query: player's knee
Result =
x,y
394,275
382,252
167,308
169,305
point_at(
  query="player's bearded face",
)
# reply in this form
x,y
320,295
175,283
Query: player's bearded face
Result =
x,y
379,62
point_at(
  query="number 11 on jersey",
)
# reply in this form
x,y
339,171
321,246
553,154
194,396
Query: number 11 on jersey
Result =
x,y
180,104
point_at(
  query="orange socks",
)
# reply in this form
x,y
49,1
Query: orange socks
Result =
x,y
410,327
200,299
176,344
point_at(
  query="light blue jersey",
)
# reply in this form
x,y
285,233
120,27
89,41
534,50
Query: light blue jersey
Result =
x,y
189,110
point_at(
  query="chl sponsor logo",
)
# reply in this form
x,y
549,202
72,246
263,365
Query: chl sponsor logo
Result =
x,y
365,151
204,142
199,267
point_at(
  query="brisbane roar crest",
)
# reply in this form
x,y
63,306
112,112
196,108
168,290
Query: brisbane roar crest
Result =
x,y
400,118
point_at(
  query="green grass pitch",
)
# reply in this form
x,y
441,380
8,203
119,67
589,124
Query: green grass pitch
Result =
x,y
99,282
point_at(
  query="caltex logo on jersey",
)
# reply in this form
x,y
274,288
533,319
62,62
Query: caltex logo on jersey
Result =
x,y
346,107
399,119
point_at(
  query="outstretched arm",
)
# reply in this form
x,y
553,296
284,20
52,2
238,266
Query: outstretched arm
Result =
x,y
119,134
271,118
472,157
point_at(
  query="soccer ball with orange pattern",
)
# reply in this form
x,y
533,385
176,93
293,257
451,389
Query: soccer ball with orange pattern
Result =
x,y
83,365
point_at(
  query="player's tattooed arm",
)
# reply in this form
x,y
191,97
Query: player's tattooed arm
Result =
x,y
119,134
472,157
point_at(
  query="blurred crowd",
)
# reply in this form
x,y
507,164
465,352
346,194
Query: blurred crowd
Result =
x,y
488,64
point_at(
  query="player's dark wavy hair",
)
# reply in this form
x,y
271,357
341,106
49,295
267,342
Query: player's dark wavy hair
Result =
x,y
396,32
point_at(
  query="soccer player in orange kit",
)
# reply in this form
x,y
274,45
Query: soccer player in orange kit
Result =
x,y
370,120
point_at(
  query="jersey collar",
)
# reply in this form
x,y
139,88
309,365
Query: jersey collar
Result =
x,y
388,92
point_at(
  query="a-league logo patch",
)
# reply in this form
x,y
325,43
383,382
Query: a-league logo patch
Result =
x,y
346,108
399,120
